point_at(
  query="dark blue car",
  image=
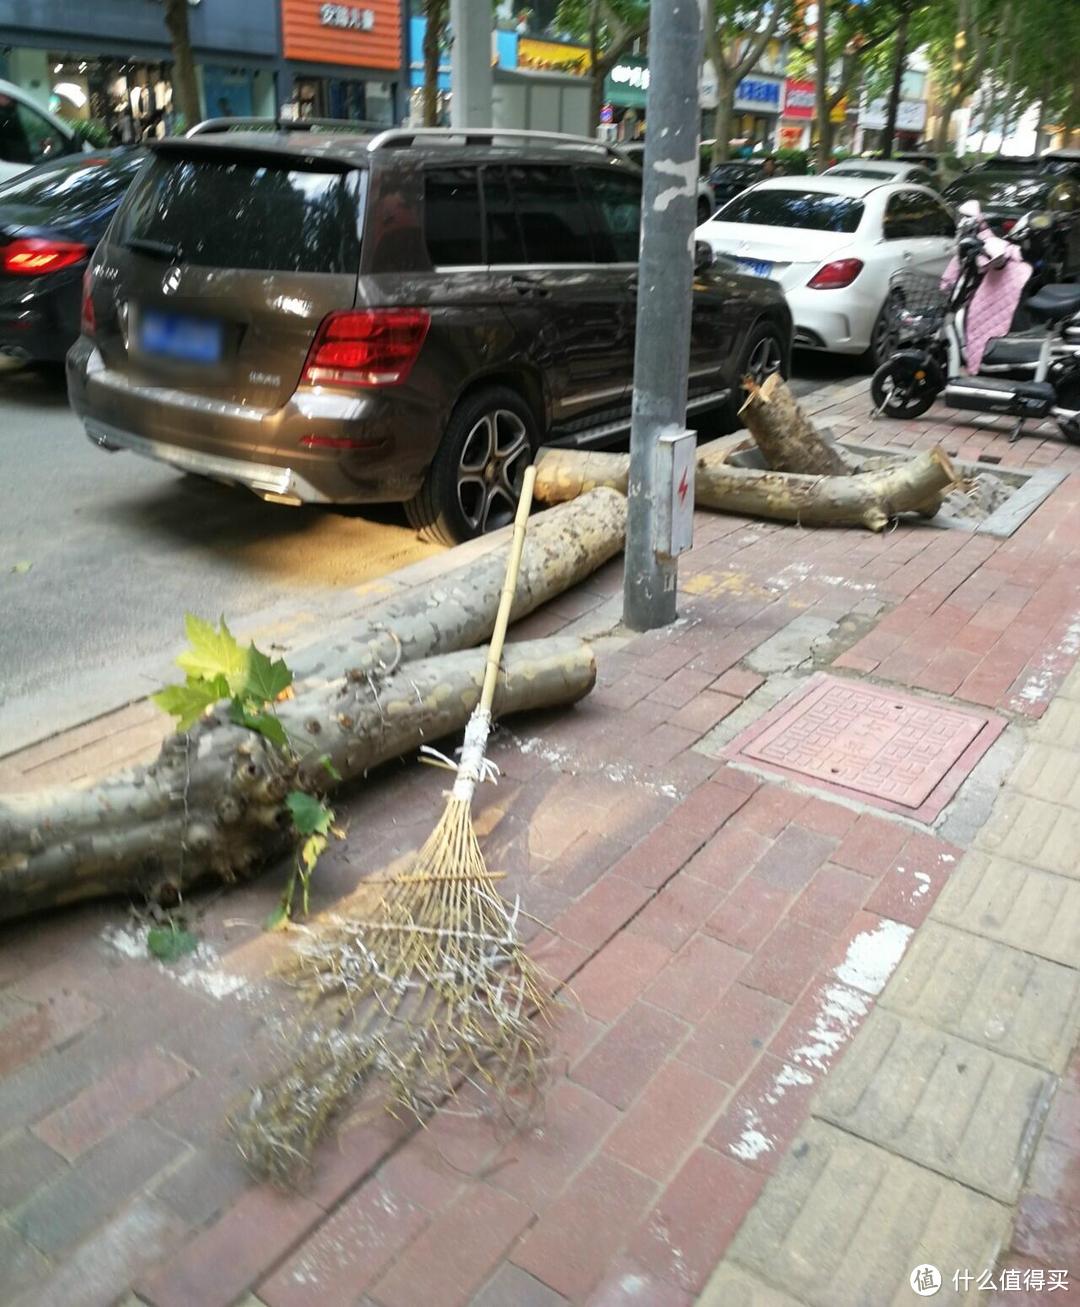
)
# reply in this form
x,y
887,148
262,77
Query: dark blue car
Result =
x,y
51,218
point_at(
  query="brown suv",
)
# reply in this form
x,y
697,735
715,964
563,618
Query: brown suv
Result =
x,y
336,318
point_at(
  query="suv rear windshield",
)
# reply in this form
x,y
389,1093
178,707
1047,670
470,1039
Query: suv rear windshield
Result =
x,y
811,210
246,214
1005,190
75,186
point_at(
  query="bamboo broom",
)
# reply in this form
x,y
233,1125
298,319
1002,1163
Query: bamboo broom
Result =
x,y
428,989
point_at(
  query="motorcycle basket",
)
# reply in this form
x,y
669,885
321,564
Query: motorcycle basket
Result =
x,y
916,305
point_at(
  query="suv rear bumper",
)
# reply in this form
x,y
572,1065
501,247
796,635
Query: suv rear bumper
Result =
x,y
395,435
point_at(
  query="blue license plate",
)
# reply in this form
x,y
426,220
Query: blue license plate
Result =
x,y
759,267
195,340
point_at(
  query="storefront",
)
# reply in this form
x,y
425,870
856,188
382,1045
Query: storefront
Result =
x,y
109,65
758,100
626,90
800,99
910,124
344,60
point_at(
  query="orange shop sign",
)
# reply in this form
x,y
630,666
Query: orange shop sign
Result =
x,y
364,35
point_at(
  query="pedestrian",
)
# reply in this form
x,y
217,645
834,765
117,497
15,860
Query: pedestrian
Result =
x,y
768,167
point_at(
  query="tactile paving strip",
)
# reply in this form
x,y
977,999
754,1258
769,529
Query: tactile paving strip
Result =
x,y
895,751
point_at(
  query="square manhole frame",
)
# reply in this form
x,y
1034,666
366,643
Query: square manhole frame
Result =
x,y
936,801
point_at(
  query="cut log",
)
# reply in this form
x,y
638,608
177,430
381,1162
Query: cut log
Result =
x,y
211,805
456,610
867,499
786,437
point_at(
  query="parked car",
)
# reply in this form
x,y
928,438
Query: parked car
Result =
x,y
406,316
944,168
51,218
884,170
732,177
1061,163
1008,163
706,201
1006,195
29,133
832,243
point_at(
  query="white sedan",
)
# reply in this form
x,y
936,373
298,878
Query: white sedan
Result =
x,y
883,170
833,243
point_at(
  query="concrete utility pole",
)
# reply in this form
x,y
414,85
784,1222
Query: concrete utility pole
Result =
x,y
470,63
662,347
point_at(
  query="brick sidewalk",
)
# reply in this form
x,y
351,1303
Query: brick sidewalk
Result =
x,y
709,921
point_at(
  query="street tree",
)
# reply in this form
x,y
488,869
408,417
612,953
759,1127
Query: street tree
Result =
x,y
184,86
609,28
736,36
436,16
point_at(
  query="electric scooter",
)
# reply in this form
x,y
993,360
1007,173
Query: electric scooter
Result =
x,y
1026,376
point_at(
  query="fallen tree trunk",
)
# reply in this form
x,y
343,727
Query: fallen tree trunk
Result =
x,y
211,805
786,437
456,610
867,499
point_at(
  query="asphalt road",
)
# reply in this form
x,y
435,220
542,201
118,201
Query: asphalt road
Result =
x,y
101,555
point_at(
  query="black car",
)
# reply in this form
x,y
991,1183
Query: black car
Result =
x,y
335,318
1006,195
733,177
51,218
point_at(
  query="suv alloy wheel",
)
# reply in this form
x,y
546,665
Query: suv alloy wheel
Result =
x,y
474,481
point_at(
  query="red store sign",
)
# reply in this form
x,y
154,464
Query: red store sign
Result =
x,y
799,99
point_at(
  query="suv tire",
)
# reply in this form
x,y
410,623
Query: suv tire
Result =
x,y
763,353
473,482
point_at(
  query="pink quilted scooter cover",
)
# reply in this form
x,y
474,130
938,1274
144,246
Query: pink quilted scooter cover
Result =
x,y
991,310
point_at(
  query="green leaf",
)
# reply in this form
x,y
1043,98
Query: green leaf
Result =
x,y
312,848
214,652
310,815
279,918
327,764
265,679
188,702
263,722
168,943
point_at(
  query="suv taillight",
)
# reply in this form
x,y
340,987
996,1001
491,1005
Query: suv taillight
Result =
x,y
369,347
87,318
31,256
836,275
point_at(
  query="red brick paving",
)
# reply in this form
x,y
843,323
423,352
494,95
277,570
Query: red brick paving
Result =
x,y
699,914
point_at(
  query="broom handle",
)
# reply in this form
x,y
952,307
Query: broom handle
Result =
x,y
506,600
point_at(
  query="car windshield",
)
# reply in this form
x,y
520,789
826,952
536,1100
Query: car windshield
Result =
x,y
1003,190
75,187
842,170
813,210
245,214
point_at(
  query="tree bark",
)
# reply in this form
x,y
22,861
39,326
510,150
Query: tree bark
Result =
x,y
784,434
868,499
821,91
185,87
435,16
211,805
899,64
722,115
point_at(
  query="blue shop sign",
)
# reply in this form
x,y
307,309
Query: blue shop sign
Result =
x,y
754,93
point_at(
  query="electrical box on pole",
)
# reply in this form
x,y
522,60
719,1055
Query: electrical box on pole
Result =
x,y
658,521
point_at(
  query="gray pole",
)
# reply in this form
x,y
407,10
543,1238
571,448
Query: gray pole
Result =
x,y
665,277
470,63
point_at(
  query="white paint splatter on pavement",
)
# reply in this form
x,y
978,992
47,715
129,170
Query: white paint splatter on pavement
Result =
x,y
873,956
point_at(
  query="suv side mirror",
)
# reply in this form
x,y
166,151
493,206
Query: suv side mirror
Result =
x,y
704,258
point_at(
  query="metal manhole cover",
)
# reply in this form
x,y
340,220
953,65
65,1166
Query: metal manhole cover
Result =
x,y
893,750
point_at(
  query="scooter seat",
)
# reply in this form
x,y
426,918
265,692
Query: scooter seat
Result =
x,y
1011,352
1053,303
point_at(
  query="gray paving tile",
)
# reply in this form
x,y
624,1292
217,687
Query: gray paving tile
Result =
x,y
943,1102
1035,832
1028,909
731,1286
999,997
1048,772
842,1224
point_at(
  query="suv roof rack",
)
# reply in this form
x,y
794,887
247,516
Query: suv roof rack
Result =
x,y
397,136
213,126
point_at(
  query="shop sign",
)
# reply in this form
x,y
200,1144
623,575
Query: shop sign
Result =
x,y
627,75
839,112
627,84
910,115
362,36
800,99
756,95
347,16
552,56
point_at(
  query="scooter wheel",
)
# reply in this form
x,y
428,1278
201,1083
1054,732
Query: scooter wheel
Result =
x,y
899,392
1071,432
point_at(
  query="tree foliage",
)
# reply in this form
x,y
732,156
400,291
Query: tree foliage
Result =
x,y
609,28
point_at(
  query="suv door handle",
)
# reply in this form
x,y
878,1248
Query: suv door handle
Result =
x,y
528,286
